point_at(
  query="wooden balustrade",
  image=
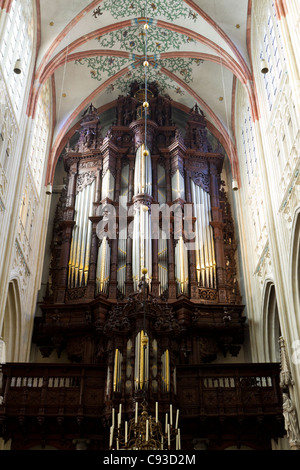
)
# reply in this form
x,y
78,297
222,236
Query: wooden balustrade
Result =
x,y
74,395
229,390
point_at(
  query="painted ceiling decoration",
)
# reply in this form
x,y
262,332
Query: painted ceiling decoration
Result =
x,y
171,10
95,50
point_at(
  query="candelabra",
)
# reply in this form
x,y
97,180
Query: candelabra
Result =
x,y
144,432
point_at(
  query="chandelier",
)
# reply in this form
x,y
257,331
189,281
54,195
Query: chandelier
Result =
x,y
144,432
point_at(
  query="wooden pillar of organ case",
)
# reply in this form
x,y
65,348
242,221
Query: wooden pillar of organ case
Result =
x,y
67,227
218,226
170,241
129,281
155,284
194,293
95,241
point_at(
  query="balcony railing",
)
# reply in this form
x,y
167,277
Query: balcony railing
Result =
x,y
41,393
240,390
49,390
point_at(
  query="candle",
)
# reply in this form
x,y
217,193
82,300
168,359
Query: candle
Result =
x,y
147,430
111,436
156,412
179,443
169,437
177,418
126,431
120,414
113,417
171,415
136,412
166,424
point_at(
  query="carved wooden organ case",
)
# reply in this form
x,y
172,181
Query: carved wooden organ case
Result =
x,y
121,212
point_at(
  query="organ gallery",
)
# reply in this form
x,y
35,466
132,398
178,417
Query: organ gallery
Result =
x,y
143,290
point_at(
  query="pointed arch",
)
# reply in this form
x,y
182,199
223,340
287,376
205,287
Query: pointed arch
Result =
x,y
271,323
295,263
11,324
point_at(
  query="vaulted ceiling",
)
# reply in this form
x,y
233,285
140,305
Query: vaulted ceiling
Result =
x,y
95,49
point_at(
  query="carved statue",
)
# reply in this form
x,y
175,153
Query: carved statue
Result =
x,y
291,422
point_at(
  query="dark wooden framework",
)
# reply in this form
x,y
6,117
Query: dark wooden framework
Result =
x,y
88,327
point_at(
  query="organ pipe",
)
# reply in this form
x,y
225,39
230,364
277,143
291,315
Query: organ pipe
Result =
x,y
81,239
165,373
181,267
205,251
142,243
143,173
117,371
141,368
122,242
103,267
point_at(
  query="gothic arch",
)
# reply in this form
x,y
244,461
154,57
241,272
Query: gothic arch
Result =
x,y
295,262
11,325
271,324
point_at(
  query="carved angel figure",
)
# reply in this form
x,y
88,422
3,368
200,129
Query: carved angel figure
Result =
x,y
291,422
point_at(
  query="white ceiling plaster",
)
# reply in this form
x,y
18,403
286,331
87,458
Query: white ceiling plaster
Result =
x,y
210,80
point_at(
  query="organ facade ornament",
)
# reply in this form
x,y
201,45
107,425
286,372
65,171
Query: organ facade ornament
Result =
x,y
143,270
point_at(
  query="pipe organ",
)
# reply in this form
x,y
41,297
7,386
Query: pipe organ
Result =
x,y
143,268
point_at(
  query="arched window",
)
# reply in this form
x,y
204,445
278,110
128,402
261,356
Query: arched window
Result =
x,y
245,135
10,330
248,144
272,52
40,135
17,43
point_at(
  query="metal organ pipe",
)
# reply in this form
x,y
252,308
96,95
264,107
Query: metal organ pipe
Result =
x,y
142,243
81,239
205,252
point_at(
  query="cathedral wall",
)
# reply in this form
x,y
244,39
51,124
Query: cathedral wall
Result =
x,y
268,200
24,204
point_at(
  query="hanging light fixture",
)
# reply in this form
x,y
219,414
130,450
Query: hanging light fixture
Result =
x,y
17,67
264,68
144,431
235,185
49,189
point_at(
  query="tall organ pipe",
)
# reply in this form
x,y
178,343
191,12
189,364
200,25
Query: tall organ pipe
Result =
x,y
81,239
205,252
142,243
